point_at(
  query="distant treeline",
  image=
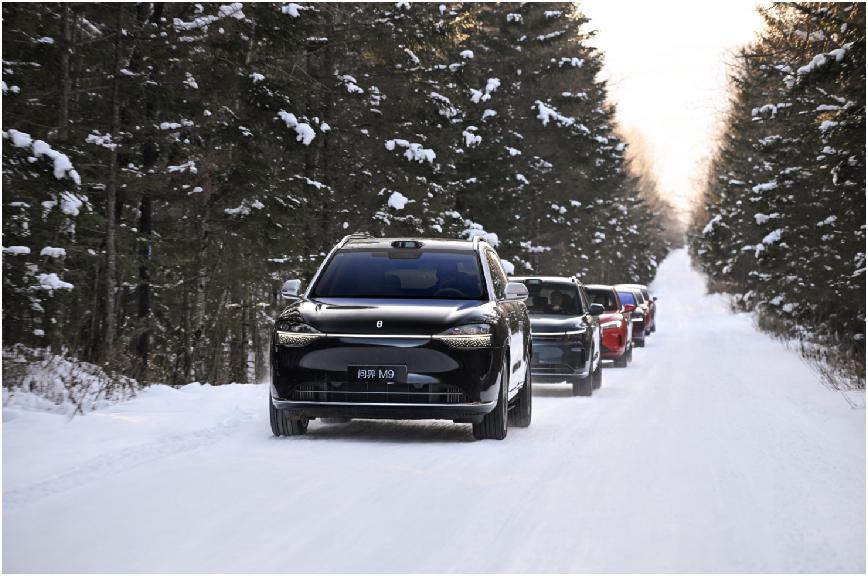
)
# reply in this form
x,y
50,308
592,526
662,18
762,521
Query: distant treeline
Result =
x,y
782,224
167,165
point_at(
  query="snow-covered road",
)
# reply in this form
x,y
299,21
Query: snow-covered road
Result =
x,y
716,450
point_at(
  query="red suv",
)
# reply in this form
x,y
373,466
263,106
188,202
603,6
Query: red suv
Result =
x,y
617,338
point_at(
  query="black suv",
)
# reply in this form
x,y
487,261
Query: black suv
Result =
x,y
404,329
566,333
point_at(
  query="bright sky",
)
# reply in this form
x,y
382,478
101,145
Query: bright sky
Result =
x,y
666,62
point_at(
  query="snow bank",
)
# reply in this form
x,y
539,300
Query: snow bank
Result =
x,y
36,379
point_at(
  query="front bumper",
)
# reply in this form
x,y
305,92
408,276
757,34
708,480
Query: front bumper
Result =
x,y
443,382
613,343
638,329
556,356
467,412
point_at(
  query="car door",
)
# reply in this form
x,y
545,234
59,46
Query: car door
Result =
x,y
515,320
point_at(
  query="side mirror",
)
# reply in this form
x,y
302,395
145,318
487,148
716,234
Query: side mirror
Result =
x,y
290,289
516,291
596,309
629,307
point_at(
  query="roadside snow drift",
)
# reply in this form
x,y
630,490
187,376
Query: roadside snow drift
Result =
x,y
717,450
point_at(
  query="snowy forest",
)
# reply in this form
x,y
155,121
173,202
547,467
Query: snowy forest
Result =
x,y
167,166
781,225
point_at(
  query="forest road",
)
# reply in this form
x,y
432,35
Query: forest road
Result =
x,y
716,450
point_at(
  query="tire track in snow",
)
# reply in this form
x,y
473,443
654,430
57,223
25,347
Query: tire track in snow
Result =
x,y
99,468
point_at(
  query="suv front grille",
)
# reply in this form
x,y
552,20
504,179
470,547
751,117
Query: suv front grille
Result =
x,y
335,391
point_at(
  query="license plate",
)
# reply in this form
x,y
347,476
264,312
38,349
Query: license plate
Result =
x,y
381,374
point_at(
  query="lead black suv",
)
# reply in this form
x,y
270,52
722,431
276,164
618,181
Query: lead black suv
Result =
x,y
566,333
404,329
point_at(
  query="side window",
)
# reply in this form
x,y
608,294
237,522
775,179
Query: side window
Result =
x,y
498,276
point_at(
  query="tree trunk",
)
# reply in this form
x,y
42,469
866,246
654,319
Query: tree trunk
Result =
x,y
144,288
65,80
108,352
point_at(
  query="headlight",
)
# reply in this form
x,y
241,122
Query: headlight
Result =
x,y
466,336
295,334
283,325
610,325
468,330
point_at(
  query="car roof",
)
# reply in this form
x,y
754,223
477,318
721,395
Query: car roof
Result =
x,y
599,287
386,243
550,279
634,286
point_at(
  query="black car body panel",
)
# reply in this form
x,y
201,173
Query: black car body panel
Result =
x,y
638,314
564,344
441,376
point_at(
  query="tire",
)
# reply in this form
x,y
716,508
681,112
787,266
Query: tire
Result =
x,y
282,424
597,376
583,385
629,353
639,343
654,327
494,424
520,414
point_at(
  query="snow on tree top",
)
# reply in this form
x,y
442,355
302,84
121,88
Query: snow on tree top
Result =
x,y
202,22
414,151
16,250
303,130
397,201
62,165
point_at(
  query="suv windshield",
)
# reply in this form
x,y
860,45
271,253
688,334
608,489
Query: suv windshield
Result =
x,y
402,273
605,297
553,298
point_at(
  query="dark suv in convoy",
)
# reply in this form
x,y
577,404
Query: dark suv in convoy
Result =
x,y
634,304
566,333
404,329
651,302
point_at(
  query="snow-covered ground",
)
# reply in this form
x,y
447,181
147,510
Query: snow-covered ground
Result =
x,y
716,450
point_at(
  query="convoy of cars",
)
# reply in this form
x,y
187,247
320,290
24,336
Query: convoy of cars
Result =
x,y
419,328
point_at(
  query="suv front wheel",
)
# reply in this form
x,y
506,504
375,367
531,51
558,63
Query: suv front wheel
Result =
x,y
282,424
494,424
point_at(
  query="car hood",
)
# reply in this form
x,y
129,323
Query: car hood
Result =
x,y
553,323
402,317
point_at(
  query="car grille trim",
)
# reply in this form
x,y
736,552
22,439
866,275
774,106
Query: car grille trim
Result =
x,y
365,393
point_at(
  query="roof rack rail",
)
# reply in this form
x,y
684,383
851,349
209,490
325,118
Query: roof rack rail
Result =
x,y
353,236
